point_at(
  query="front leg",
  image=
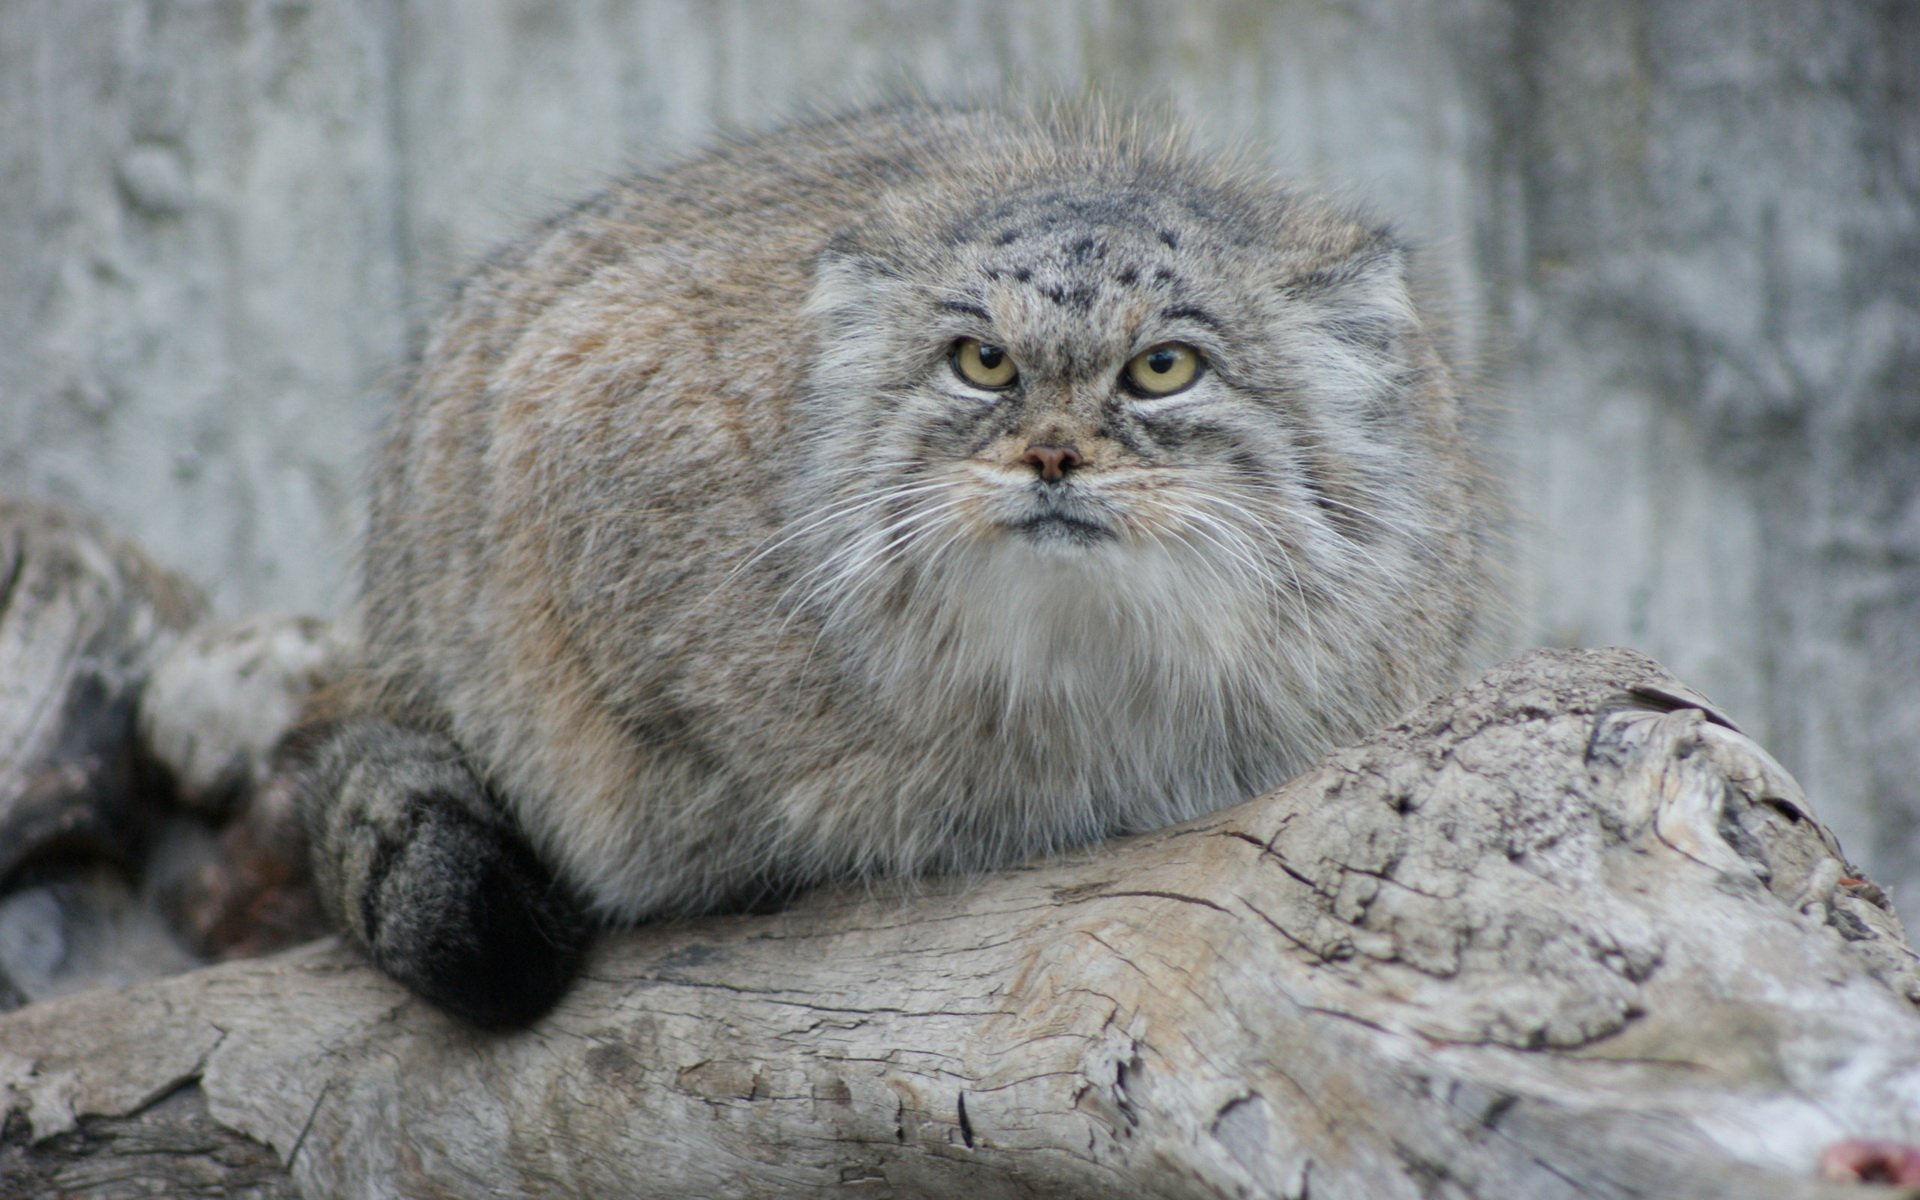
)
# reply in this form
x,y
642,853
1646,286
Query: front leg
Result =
x,y
416,860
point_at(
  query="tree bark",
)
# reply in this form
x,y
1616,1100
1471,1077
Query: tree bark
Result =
x,y
83,613
1562,933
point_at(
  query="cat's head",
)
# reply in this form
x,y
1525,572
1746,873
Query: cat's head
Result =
x,y
1099,366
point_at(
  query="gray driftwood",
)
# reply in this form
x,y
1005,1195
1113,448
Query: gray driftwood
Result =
x,y
83,613
1562,933
143,828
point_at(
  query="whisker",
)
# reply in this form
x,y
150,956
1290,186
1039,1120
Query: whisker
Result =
x,y
1412,532
862,558
1391,578
819,517
1302,600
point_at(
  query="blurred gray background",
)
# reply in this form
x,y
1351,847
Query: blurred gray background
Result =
x,y
1680,243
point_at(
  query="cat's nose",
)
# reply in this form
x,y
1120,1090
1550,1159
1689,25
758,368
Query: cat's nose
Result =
x,y
1053,462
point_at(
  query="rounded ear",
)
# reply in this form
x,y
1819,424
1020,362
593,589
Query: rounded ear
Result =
x,y
1347,324
1366,297
843,282
859,307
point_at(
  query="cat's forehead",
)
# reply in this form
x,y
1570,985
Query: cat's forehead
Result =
x,y
1082,267
1068,226
1036,211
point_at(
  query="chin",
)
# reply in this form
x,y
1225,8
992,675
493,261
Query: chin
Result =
x,y
1056,532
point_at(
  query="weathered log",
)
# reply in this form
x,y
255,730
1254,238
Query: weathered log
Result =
x,y
83,616
143,827
1562,933
213,715
83,613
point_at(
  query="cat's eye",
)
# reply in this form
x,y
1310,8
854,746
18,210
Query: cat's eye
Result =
x,y
983,365
1163,370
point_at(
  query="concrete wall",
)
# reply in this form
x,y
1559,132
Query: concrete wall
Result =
x,y
1681,239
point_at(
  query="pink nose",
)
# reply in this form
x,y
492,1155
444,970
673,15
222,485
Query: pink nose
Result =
x,y
1053,462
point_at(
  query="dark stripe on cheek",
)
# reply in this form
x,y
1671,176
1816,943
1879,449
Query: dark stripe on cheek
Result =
x,y
1122,430
1332,499
963,432
1183,433
1249,465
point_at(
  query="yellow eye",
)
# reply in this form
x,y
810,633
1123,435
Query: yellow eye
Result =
x,y
982,365
1163,370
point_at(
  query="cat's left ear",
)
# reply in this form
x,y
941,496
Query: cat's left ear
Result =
x,y
1347,324
1364,299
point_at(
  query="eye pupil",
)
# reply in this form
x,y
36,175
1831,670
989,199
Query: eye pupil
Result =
x,y
982,366
1162,370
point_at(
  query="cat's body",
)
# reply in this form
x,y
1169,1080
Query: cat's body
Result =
x,y
809,511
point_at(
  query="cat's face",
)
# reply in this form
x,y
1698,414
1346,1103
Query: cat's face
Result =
x,y
1105,383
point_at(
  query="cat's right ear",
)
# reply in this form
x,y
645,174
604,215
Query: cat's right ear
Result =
x,y
839,283
846,278
859,306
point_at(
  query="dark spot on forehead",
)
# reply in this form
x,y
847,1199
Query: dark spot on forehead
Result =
x,y
1163,275
1171,238
1079,297
1007,237
1023,275
1084,249
1127,277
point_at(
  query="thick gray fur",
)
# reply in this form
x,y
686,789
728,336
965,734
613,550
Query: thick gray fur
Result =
x,y
690,541
419,865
